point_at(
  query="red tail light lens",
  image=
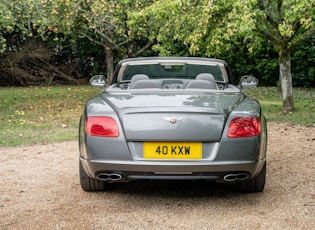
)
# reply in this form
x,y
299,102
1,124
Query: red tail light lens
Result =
x,y
244,127
101,126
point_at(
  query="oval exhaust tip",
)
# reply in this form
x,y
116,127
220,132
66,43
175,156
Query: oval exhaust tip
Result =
x,y
110,176
115,176
236,177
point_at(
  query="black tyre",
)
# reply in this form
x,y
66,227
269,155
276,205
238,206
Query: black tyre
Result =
x,y
89,184
256,184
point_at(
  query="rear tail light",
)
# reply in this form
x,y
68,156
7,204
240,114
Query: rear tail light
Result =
x,y
244,127
101,126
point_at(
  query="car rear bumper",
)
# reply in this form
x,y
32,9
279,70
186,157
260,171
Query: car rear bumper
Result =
x,y
125,171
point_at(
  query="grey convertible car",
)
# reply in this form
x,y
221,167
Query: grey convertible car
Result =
x,y
173,118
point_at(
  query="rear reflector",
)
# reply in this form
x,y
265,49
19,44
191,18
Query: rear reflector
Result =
x,y
244,127
101,126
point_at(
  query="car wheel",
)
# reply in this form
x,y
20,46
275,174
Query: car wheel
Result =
x,y
256,184
89,184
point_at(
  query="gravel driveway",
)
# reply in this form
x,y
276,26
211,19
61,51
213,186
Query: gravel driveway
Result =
x,y
40,189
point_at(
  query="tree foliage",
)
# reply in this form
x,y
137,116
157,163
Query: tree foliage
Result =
x,y
104,23
286,24
25,30
92,35
187,26
303,63
213,28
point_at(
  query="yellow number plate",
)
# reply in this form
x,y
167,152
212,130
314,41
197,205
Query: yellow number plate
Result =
x,y
172,150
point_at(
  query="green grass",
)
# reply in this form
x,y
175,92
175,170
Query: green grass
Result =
x,y
271,102
49,114
41,114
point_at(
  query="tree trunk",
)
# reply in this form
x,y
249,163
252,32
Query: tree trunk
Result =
x,y
286,79
109,64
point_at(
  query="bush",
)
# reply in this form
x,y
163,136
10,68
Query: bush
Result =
x,y
303,64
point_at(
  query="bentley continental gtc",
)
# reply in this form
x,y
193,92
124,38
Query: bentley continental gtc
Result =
x,y
173,118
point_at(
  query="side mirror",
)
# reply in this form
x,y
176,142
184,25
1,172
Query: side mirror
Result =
x,y
248,82
98,81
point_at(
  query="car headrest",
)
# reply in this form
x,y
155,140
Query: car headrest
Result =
x,y
206,77
200,84
138,77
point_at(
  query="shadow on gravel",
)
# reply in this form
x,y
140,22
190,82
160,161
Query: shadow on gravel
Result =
x,y
174,188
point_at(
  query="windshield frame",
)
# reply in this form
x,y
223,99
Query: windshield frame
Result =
x,y
173,62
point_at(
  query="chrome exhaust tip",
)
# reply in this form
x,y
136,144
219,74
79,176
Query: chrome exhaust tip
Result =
x,y
110,176
236,177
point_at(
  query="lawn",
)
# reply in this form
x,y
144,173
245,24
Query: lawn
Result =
x,y
33,115
271,102
41,114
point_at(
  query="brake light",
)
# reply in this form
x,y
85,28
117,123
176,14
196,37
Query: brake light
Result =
x,y
101,126
244,127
